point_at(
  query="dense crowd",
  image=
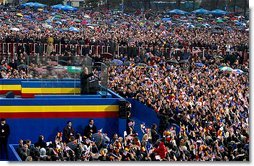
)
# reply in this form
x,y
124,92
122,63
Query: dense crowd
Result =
x,y
210,106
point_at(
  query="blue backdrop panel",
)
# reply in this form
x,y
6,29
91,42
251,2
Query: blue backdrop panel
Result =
x,y
32,128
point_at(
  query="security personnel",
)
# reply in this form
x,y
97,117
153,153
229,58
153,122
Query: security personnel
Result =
x,y
4,134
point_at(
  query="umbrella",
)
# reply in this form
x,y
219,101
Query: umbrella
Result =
x,y
15,29
142,64
178,12
184,61
27,16
238,71
68,8
127,63
216,27
106,55
117,62
91,27
87,16
199,64
58,16
219,21
28,4
59,22
73,29
172,61
77,20
58,6
83,22
73,69
19,15
166,19
47,26
226,68
22,66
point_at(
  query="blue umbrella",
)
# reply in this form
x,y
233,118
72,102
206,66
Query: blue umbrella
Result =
x,y
58,6
73,29
48,21
166,19
199,64
27,16
201,11
238,71
59,22
117,62
69,8
30,4
33,4
177,11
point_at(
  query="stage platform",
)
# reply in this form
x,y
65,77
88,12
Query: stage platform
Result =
x,y
44,107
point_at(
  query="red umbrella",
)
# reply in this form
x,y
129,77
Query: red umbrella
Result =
x,y
84,22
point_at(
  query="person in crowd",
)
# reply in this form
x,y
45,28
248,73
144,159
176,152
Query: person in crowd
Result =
x,y
41,142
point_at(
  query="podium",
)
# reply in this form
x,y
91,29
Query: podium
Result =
x,y
94,86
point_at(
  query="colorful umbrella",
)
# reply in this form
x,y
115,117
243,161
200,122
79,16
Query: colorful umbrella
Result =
x,y
238,71
73,29
14,29
19,15
226,68
199,64
117,62
73,69
219,21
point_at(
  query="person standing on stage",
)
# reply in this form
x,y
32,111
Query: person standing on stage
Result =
x,y
4,134
90,129
84,81
68,131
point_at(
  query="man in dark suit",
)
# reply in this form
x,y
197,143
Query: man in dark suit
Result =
x,y
4,134
84,81
68,131
90,129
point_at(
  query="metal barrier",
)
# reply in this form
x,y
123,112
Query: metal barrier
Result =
x,y
13,49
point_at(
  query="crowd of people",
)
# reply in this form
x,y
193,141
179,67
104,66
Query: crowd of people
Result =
x,y
172,67
92,145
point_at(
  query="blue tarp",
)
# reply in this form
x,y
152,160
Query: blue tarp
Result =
x,y
218,12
